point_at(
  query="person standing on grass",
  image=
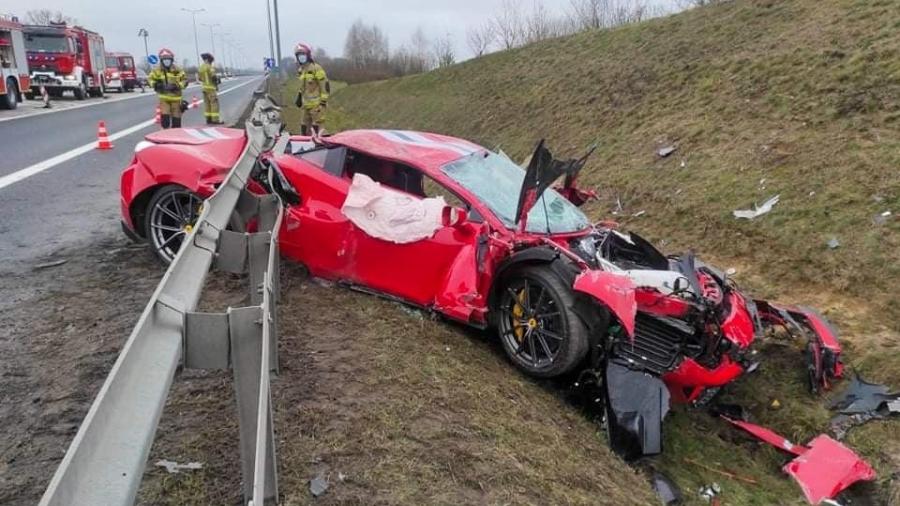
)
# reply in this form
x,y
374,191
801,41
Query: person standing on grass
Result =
x,y
312,99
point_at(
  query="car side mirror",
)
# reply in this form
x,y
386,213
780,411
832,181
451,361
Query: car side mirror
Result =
x,y
454,217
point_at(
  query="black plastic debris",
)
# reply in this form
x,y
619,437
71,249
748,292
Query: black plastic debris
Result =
x,y
860,403
666,489
732,411
636,405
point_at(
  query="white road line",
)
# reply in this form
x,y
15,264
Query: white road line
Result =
x,y
39,167
41,112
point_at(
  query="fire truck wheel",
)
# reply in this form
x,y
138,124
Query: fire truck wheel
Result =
x,y
81,92
29,95
12,95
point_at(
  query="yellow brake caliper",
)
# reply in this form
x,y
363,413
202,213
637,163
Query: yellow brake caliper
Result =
x,y
518,312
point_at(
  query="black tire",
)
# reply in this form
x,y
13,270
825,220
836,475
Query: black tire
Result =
x,y
539,331
29,95
81,92
12,95
164,231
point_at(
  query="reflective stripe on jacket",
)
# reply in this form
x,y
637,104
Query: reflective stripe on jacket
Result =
x,y
172,75
207,76
313,84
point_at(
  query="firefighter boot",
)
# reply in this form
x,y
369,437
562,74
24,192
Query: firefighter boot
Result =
x,y
176,122
165,120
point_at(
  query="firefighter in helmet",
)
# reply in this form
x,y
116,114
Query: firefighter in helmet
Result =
x,y
168,81
314,88
210,82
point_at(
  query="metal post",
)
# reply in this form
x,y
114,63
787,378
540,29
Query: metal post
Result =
x,y
196,41
277,35
271,41
145,34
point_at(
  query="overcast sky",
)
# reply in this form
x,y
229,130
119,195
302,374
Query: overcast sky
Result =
x,y
322,23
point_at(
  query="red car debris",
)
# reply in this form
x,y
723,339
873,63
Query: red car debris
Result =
x,y
566,296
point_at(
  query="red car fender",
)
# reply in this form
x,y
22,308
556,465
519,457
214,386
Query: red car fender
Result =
x,y
738,324
689,375
614,291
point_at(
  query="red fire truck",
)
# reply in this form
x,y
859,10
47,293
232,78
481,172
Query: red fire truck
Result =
x,y
13,64
65,58
120,72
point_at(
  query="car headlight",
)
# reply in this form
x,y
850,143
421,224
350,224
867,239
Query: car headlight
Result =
x,y
70,77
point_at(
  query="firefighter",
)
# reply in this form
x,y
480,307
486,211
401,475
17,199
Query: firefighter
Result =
x,y
210,82
312,99
168,81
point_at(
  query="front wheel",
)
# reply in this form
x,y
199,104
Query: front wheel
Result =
x,y
538,329
171,215
12,95
81,92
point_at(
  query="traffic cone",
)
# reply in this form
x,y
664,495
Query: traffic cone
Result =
x,y
195,103
158,118
103,141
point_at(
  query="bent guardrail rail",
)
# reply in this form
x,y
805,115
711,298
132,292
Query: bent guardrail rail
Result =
x,y
105,462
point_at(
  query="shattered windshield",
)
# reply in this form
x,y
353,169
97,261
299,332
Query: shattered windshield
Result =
x,y
496,180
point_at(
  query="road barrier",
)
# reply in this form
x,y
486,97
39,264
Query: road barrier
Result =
x,y
105,462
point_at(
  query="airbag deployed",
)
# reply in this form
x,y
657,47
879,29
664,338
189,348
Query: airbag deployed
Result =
x,y
389,214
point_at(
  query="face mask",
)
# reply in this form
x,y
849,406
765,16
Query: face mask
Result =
x,y
301,59
167,62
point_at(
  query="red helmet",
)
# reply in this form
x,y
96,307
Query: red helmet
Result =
x,y
303,48
166,53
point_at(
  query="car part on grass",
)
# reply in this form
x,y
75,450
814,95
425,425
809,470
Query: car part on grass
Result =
x,y
666,489
823,468
757,211
106,460
860,403
666,151
318,486
710,493
173,467
636,405
727,474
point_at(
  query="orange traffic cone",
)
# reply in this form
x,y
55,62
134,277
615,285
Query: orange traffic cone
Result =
x,y
195,103
158,117
103,141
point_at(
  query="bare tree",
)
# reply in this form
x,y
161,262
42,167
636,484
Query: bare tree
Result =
x,y
480,38
508,25
540,24
46,16
444,54
420,49
366,45
587,14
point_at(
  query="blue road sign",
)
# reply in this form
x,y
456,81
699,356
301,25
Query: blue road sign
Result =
x,y
270,63
152,59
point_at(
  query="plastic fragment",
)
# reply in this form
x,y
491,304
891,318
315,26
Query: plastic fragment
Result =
x,y
173,467
757,211
318,486
833,243
666,151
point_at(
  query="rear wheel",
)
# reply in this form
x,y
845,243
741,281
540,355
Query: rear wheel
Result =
x,y
538,329
12,95
81,92
170,216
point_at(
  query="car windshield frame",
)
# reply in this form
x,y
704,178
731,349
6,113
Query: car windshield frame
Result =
x,y
43,47
496,181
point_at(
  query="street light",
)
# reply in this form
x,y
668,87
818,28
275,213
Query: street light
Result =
x,y
212,41
145,34
194,18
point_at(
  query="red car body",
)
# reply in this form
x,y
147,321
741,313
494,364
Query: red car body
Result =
x,y
695,334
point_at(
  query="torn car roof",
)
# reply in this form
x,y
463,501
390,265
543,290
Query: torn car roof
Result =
x,y
428,151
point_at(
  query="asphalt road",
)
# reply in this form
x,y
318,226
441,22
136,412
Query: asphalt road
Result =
x,y
72,203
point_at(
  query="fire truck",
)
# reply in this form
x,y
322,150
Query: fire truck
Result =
x,y
65,58
13,63
120,72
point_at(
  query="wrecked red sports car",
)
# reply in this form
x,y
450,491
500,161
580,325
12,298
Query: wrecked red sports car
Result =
x,y
446,225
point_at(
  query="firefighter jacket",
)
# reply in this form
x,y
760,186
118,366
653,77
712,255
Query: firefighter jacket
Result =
x,y
208,77
314,86
172,80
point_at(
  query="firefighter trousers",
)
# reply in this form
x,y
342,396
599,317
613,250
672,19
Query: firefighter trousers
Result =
x,y
211,106
170,113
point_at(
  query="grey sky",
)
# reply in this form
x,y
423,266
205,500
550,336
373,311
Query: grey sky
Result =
x,y
322,24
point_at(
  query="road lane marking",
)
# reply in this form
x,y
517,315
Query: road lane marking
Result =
x,y
41,112
39,167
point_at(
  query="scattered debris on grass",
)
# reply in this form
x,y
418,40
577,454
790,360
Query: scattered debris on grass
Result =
x,y
666,489
860,403
833,243
757,211
727,474
666,151
175,468
46,265
709,493
318,486
639,214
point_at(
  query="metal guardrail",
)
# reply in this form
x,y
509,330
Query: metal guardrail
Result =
x,y
105,462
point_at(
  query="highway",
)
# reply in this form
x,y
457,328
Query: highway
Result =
x,y
56,190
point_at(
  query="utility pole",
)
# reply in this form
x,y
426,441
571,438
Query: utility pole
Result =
x,y
269,21
145,34
194,19
212,41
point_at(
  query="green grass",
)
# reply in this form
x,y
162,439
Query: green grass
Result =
x,y
761,97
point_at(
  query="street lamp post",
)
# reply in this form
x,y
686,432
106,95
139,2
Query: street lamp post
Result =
x,y
212,40
145,34
271,41
194,19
